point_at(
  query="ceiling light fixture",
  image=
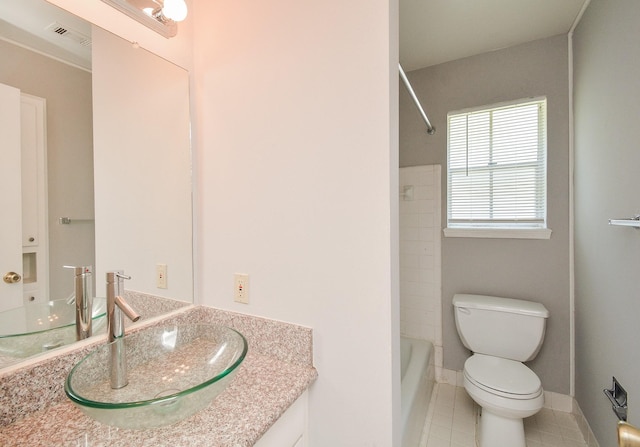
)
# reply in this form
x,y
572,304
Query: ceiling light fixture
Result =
x,y
161,16
175,10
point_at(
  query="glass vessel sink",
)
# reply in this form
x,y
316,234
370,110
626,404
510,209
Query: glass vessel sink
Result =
x,y
173,372
35,328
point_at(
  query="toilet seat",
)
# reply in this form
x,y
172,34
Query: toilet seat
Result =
x,y
502,377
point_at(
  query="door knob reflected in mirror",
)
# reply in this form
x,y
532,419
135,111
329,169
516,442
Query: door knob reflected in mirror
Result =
x,y
12,277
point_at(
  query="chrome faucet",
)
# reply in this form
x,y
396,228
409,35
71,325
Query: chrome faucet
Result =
x,y
116,306
83,297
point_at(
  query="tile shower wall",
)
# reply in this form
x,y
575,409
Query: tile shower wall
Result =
x,y
420,266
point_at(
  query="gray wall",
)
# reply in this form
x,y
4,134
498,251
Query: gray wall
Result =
x,y
607,169
69,154
536,270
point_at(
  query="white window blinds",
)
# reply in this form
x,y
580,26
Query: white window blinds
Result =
x,y
497,166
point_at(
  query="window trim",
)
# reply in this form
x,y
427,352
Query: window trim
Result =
x,y
499,233
492,231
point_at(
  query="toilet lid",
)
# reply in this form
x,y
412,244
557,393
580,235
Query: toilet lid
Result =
x,y
502,375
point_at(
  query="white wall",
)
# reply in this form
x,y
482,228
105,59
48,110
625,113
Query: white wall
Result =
x,y
420,264
142,169
298,181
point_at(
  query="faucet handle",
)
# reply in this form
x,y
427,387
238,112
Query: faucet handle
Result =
x,y
115,276
80,270
122,275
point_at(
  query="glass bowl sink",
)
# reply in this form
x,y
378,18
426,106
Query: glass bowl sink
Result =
x,y
173,372
39,327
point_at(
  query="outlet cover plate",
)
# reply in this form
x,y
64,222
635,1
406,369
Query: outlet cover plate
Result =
x,y
241,288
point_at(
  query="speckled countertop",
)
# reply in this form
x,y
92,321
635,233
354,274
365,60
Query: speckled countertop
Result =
x,y
278,368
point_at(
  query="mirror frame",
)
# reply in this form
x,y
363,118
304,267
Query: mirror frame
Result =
x,y
167,29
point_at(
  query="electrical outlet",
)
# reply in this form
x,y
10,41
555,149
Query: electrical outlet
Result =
x,y
161,276
241,288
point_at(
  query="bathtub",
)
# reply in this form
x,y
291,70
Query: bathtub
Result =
x,y
418,378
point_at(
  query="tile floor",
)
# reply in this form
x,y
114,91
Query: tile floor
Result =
x,y
451,423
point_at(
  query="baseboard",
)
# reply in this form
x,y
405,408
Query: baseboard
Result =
x,y
584,425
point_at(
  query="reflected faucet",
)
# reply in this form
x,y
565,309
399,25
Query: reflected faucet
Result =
x,y
116,307
83,297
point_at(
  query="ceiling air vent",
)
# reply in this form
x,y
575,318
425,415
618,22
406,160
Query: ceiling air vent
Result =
x,y
70,34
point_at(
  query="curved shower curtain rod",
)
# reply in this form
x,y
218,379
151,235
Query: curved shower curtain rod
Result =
x,y
430,129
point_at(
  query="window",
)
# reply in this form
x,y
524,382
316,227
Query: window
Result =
x,y
497,170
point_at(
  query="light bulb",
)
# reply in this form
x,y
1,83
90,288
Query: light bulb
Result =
x,y
175,10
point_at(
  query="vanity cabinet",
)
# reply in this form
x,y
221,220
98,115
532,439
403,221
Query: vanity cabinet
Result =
x,y
290,430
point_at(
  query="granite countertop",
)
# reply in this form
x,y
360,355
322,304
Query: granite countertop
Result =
x,y
276,371
261,391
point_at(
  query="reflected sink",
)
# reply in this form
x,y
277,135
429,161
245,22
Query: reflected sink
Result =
x,y
173,372
36,327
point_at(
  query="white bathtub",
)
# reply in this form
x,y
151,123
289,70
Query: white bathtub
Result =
x,y
418,378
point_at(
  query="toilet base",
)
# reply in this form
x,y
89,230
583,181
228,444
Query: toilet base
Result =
x,y
498,431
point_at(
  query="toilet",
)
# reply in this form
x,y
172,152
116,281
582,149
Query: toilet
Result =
x,y
502,333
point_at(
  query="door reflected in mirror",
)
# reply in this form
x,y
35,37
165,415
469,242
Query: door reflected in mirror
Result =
x,y
51,160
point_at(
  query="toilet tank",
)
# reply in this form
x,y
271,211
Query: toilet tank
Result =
x,y
502,327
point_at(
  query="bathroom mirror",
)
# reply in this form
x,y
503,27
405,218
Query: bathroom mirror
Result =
x,y
104,158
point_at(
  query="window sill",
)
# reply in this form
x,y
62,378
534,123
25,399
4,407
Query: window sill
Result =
x,y
499,233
